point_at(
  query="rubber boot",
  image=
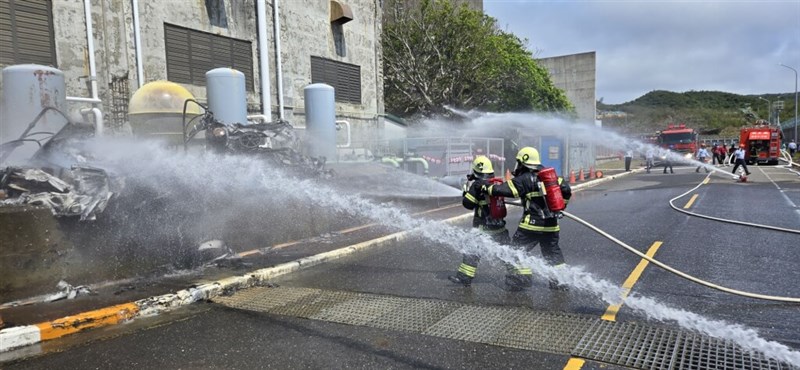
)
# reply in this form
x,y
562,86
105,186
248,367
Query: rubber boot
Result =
x,y
518,282
554,285
460,278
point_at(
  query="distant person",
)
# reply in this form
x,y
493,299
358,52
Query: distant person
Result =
x,y
739,156
649,157
792,148
702,157
721,153
668,161
628,159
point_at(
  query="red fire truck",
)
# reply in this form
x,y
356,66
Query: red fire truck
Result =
x,y
679,138
762,143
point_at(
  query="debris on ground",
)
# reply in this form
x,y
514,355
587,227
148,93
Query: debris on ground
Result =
x,y
80,191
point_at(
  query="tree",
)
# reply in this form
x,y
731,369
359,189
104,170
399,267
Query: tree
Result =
x,y
437,55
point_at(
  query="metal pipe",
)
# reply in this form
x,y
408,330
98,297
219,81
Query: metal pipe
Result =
x,y
419,160
276,21
98,119
393,161
83,100
87,8
769,108
137,41
261,117
263,56
347,124
795,100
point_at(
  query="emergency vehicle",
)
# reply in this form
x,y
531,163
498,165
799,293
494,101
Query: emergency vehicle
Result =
x,y
680,138
762,143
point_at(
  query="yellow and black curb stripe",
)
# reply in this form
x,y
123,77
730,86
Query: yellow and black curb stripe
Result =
x,y
20,336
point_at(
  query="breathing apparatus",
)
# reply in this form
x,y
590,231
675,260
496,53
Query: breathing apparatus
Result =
x,y
482,169
528,160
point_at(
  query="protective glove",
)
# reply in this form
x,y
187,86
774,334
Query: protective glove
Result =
x,y
463,190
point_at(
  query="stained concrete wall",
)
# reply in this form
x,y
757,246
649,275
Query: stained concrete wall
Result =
x,y
305,31
575,74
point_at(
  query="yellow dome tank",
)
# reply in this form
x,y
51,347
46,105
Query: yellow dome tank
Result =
x,y
156,111
161,97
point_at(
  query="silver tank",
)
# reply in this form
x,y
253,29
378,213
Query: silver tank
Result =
x,y
227,98
27,90
320,121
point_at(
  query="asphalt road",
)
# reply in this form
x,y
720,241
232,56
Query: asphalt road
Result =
x,y
634,209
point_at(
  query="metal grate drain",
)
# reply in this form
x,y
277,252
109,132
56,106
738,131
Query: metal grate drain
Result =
x,y
633,345
652,347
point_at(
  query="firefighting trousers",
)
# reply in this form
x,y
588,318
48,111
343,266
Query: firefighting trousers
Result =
x,y
521,276
469,262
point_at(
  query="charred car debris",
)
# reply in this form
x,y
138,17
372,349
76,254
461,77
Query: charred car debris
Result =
x,y
84,191
275,141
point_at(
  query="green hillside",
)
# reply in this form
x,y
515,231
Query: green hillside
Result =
x,y
711,112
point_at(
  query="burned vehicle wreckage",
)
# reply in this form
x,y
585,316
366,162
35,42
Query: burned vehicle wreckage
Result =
x,y
65,215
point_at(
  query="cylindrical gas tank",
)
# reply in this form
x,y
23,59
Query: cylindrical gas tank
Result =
x,y
155,111
27,90
320,120
552,189
227,98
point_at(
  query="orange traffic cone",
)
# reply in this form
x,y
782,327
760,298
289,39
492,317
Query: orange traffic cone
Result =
x,y
580,175
591,172
572,177
508,174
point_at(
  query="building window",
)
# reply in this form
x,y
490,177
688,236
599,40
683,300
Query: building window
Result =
x,y
26,32
192,53
216,13
345,78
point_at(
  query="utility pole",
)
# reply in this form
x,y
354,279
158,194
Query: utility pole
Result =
x,y
795,100
769,108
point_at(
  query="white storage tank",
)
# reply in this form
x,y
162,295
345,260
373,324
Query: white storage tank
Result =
x,y
227,97
320,121
27,90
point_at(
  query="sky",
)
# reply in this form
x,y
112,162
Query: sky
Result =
x,y
641,46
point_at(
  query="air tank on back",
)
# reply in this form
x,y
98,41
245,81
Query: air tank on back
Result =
x,y
27,90
320,121
227,98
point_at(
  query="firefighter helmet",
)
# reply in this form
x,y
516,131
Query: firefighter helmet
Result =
x,y
529,157
482,167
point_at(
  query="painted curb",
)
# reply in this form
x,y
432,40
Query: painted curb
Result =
x,y
21,336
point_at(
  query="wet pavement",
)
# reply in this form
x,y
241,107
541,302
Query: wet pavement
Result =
x,y
633,209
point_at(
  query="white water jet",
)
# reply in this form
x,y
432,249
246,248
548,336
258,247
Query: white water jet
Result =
x,y
218,174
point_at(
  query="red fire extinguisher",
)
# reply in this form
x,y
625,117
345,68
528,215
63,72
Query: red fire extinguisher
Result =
x,y
552,190
497,205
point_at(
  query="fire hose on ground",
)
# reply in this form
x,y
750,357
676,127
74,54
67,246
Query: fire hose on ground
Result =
x,y
673,270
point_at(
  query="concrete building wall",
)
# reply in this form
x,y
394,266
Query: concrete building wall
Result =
x,y
305,31
575,74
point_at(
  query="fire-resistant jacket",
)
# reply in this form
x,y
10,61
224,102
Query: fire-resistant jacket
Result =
x,y
536,216
475,199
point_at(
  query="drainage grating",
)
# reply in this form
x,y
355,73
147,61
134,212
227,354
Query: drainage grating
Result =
x,y
651,347
634,345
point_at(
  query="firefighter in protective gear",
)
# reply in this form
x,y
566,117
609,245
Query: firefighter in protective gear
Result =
x,y
538,226
474,198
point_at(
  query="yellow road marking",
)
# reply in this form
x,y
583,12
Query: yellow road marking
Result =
x,y
691,200
574,364
707,180
611,312
345,231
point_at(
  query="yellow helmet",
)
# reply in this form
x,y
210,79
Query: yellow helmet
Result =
x,y
482,166
529,157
